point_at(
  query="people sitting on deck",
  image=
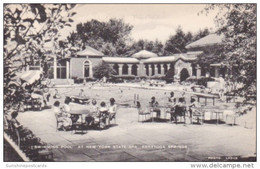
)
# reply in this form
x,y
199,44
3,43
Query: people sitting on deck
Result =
x,y
112,109
179,109
94,113
103,113
67,109
56,94
67,119
139,107
62,116
193,106
154,107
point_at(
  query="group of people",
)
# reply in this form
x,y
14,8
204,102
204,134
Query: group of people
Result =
x,y
102,114
177,106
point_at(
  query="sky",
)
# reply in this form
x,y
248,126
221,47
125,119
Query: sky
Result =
x,y
150,21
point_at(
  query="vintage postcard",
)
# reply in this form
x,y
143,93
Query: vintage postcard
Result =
x,y
129,82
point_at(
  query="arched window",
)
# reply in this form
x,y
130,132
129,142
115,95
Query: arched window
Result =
x,y
147,69
86,68
134,70
152,67
116,68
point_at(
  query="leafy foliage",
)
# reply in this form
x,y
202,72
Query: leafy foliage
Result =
x,y
238,23
210,55
27,29
108,37
177,42
152,46
103,70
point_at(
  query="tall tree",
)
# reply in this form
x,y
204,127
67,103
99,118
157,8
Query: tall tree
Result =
x,y
200,34
152,46
238,23
27,28
177,42
109,37
158,48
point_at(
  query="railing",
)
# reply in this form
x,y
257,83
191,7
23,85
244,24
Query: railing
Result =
x,y
16,148
26,144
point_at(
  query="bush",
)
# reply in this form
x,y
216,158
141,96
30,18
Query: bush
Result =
x,y
158,77
169,76
115,79
78,80
89,79
103,70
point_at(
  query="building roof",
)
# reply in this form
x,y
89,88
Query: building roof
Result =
x,y
89,51
208,40
190,56
120,60
144,54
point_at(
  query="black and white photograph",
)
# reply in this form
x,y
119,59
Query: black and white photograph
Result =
x,y
129,82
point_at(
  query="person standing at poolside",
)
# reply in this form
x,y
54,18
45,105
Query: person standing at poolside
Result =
x,y
172,103
112,109
82,94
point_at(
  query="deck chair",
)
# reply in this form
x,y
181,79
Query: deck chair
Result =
x,y
143,113
169,110
198,115
179,112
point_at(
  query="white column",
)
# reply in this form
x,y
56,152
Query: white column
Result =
x,y
155,69
90,70
140,69
163,72
198,71
67,69
149,70
144,70
120,69
55,67
129,69
54,60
